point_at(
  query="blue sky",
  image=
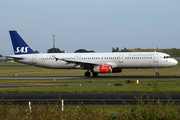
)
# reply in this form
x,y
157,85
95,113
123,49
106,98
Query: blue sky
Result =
x,y
95,25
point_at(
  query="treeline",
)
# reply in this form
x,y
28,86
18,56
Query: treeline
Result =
x,y
57,50
84,51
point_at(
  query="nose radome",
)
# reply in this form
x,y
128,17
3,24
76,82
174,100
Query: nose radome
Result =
x,y
175,62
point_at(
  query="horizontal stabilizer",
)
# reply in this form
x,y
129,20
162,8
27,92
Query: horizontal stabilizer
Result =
x,y
14,57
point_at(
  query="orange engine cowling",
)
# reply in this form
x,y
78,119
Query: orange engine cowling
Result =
x,y
103,69
116,70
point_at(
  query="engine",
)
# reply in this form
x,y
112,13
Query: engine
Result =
x,y
103,69
116,70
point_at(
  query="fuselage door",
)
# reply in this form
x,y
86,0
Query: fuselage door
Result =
x,y
34,60
120,59
78,58
155,58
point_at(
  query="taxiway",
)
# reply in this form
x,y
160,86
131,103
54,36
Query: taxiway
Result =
x,y
89,98
82,77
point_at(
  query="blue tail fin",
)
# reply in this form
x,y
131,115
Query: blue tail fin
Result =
x,y
19,45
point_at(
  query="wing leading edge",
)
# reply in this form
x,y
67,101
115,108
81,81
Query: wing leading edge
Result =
x,y
79,62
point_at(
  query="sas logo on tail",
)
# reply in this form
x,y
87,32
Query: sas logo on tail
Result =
x,y
21,50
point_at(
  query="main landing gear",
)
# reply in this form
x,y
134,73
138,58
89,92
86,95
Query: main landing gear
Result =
x,y
157,72
95,74
87,74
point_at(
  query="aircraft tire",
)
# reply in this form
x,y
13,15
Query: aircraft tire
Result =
x,y
95,74
157,74
87,74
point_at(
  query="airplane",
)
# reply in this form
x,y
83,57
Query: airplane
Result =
x,y
94,63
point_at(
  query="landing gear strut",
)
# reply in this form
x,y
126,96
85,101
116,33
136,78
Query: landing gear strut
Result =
x,y
157,72
87,74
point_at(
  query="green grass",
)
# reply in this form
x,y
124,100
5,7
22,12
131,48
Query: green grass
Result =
x,y
9,68
150,111
93,112
25,70
125,88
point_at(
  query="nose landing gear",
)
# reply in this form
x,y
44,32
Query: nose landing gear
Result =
x,y
157,72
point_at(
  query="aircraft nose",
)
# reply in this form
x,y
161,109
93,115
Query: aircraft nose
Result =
x,y
175,62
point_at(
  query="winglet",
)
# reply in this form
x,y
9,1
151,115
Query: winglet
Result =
x,y
19,45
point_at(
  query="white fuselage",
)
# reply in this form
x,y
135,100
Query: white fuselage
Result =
x,y
116,60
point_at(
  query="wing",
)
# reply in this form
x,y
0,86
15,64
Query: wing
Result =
x,y
83,63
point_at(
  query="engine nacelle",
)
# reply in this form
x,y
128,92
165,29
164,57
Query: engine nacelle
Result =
x,y
103,69
116,70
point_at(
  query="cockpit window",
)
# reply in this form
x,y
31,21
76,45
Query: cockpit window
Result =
x,y
165,57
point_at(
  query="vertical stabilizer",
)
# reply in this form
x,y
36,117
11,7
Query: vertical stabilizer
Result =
x,y
19,45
